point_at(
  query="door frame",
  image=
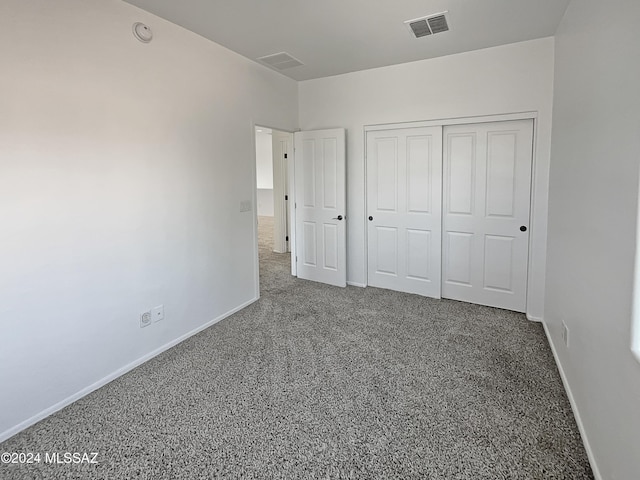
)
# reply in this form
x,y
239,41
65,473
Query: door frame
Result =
x,y
531,115
254,199
280,189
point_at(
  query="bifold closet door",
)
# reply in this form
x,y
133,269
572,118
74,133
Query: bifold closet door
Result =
x,y
404,205
486,205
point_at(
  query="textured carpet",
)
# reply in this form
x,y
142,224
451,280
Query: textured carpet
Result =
x,y
314,381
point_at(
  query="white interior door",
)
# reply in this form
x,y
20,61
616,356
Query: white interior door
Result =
x,y
281,145
320,206
404,185
486,204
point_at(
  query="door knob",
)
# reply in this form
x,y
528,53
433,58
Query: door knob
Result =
x,y
523,228
370,218
339,217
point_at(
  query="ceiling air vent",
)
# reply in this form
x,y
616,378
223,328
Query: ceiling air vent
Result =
x,y
420,28
431,24
438,24
280,61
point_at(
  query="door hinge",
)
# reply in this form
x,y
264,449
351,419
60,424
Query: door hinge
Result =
x,y
296,258
286,239
285,155
286,197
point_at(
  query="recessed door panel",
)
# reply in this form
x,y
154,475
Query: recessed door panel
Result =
x,y
387,252
459,245
418,253
385,165
498,261
404,209
489,267
418,163
329,177
310,244
308,162
330,240
501,173
461,179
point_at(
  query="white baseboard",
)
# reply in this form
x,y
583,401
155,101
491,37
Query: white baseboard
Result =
x,y
534,319
574,407
112,376
356,284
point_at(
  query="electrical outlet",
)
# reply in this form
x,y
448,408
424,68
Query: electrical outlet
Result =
x,y
158,313
145,319
565,334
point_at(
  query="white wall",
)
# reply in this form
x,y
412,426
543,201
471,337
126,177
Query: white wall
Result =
x,y
122,169
506,79
592,225
264,160
264,172
265,202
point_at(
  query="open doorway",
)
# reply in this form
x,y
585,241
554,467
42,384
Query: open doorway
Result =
x,y
273,153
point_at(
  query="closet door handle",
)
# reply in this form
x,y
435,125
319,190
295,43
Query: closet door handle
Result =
x,y
370,218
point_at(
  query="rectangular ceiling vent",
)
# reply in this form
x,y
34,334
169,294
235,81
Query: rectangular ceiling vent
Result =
x,y
431,24
438,24
420,28
280,61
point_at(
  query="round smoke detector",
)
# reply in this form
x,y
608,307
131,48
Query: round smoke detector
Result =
x,y
142,32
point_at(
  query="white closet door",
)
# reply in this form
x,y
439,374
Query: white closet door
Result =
x,y
486,204
404,184
320,206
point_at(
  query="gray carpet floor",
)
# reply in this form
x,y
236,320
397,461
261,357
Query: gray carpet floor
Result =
x,y
314,381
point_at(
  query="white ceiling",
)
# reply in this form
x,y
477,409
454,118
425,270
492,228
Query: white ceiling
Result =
x,y
339,36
